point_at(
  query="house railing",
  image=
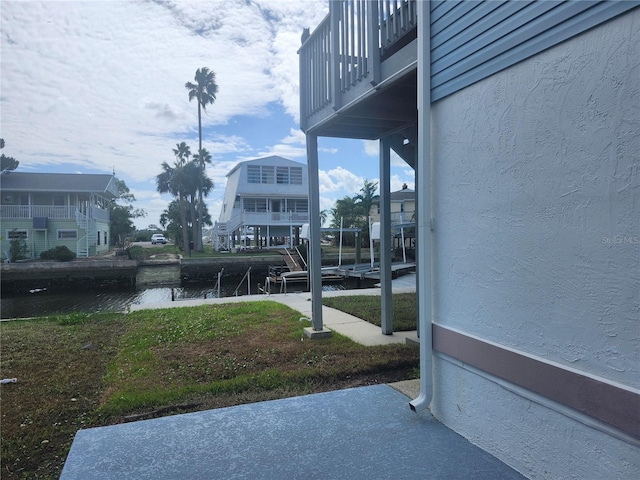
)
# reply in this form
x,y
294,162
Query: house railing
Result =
x,y
59,212
347,47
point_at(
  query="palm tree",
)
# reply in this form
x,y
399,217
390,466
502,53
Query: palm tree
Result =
x,y
175,180
204,90
182,152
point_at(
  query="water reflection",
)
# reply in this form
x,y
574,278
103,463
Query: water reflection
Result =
x,y
47,302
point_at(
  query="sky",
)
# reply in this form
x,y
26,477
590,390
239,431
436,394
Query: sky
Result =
x,y
98,87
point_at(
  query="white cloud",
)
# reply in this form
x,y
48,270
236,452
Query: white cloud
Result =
x,y
99,85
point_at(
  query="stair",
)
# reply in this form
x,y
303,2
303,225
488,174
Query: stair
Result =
x,y
293,262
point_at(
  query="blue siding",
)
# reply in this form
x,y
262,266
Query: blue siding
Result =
x,y
475,39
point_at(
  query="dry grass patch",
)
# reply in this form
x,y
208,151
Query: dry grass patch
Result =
x,y
80,371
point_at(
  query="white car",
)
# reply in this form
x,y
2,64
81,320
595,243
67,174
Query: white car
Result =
x,y
158,238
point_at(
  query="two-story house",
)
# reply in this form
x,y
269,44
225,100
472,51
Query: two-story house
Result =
x,y
51,209
521,121
265,204
402,209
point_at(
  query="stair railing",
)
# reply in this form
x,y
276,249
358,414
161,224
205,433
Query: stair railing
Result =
x,y
248,277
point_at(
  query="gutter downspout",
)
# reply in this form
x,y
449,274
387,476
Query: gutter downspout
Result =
x,y
423,190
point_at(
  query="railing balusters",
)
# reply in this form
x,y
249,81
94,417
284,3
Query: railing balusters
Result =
x,y
346,47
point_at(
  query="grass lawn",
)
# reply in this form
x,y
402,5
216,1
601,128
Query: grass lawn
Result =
x,y
367,307
84,370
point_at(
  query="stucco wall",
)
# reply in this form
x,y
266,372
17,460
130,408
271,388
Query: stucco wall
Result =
x,y
537,240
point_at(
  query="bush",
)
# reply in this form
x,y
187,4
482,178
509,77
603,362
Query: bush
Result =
x,y
60,253
17,250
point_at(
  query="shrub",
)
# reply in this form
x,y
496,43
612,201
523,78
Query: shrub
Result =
x,y
60,253
17,250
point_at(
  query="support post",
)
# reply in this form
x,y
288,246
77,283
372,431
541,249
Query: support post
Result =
x,y
385,237
315,260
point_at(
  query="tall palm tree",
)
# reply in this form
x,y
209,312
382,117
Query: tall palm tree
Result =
x,y
176,180
204,90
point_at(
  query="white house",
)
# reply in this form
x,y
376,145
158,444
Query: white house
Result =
x,y
522,120
265,203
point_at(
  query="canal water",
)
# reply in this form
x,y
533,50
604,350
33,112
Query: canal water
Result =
x,y
38,302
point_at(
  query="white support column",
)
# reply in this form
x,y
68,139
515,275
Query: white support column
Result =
x,y
423,193
385,237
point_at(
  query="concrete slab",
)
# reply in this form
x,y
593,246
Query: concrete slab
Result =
x,y
316,334
360,433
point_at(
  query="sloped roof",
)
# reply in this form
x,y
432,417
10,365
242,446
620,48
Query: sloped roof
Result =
x,y
404,194
271,160
59,182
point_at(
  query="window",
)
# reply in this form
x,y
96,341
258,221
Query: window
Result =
x,y
98,235
296,175
267,174
282,175
298,206
253,174
105,238
58,200
17,234
255,205
69,235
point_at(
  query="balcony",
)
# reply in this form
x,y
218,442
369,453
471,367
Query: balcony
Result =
x,y
358,70
55,212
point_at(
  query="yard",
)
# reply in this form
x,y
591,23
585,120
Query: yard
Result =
x,y
84,370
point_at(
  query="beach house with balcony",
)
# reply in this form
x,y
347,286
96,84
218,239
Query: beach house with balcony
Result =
x,y
521,120
51,209
265,204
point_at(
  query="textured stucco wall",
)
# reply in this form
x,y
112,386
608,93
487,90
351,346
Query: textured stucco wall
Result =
x,y
537,240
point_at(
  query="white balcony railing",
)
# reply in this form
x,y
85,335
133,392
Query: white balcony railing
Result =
x,y
347,48
64,212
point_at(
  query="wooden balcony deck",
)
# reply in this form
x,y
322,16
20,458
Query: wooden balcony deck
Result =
x,y
358,70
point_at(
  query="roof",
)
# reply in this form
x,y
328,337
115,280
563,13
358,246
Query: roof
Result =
x,y
271,160
59,182
404,194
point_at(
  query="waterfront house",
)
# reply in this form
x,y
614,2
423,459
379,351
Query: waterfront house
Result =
x,y
51,209
521,122
265,204
402,207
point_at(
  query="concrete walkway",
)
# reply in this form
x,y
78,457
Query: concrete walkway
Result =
x,y
356,329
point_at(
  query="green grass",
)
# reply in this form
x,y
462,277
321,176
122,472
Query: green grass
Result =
x,y
84,370
367,307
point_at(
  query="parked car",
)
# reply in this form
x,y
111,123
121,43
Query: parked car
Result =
x,y
158,238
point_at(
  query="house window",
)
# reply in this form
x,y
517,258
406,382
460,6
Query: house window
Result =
x,y
98,235
67,234
8,199
296,175
267,174
253,174
301,206
58,200
402,208
282,175
255,205
105,238
17,234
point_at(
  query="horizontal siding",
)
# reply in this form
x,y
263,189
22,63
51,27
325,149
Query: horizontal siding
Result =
x,y
475,39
